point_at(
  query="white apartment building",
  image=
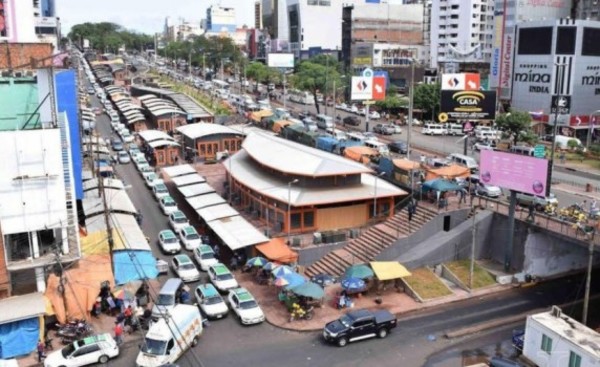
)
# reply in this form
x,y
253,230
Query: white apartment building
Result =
x,y
461,33
219,19
314,26
507,15
30,22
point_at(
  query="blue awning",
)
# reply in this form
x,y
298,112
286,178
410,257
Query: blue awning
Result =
x,y
134,265
19,337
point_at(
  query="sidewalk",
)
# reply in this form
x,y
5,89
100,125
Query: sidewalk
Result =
x,y
396,302
576,190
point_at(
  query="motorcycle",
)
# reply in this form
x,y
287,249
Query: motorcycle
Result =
x,y
298,313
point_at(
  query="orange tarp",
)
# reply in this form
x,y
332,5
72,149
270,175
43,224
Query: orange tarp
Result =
x,y
406,165
360,154
449,172
277,250
258,115
278,125
81,287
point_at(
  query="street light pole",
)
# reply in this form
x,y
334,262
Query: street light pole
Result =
x,y
289,227
284,90
590,129
588,281
375,194
410,106
555,127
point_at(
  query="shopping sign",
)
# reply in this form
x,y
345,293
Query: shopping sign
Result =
x,y
368,88
461,81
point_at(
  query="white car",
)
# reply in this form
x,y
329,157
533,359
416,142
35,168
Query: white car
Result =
x,y
185,269
374,115
160,191
178,220
221,277
245,306
205,257
353,109
138,161
90,350
168,242
145,169
127,137
190,238
361,112
152,179
123,157
210,301
167,204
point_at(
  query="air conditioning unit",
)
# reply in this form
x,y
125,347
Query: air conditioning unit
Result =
x,y
317,239
296,241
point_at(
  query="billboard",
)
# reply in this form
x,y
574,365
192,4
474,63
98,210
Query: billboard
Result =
x,y
469,104
362,54
462,81
514,172
280,61
362,88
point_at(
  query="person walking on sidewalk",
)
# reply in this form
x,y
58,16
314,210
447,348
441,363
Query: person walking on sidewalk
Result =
x,y
118,333
462,193
40,350
530,215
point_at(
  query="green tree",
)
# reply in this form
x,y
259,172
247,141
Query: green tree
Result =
x,y
257,71
516,126
427,98
392,102
105,35
315,78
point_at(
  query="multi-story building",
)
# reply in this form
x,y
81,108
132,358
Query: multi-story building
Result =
x,y
275,21
587,9
461,34
188,29
507,15
220,20
314,26
29,22
554,59
258,15
38,214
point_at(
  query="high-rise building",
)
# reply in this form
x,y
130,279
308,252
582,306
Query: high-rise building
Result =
x,y
315,26
275,19
461,34
29,22
587,9
219,19
507,15
258,15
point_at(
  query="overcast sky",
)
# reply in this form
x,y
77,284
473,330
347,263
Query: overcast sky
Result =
x,y
146,16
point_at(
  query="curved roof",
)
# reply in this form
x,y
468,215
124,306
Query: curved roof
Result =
x,y
151,135
163,143
201,129
165,110
146,97
289,157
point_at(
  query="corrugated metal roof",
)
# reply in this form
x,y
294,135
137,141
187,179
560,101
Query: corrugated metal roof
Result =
x,y
217,212
204,201
163,143
195,190
108,183
22,307
290,157
179,170
151,135
236,232
190,179
243,170
130,234
201,129
146,97
117,200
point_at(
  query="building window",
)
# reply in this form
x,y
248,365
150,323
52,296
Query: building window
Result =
x,y
309,219
296,220
546,344
574,360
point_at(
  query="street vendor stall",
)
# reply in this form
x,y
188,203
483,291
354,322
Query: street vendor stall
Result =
x,y
277,250
386,271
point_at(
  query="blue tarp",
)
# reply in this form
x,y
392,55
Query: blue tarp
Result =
x,y
19,338
134,265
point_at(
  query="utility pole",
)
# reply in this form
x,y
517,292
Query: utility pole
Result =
x,y
588,281
410,106
109,233
473,238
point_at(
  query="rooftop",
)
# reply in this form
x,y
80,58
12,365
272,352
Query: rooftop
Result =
x,y
185,102
289,157
201,129
20,99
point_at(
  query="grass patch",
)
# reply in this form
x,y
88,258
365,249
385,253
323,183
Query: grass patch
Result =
x,y
481,277
426,284
576,158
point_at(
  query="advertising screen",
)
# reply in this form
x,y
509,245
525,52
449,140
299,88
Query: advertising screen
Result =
x,y
469,104
280,61
514,172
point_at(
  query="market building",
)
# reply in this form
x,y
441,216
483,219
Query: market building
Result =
x,y
206,141
558,60
194,112
162,146
295,188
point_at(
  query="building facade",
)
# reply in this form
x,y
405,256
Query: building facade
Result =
x,y
220,19
314,26
558,58
461,34
588,10
29,22
507,14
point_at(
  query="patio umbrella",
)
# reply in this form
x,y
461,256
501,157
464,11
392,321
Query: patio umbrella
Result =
x,y
281,270
308,289
280,282
353,284
323,279
270,266
123,294
293,279
257,261
360,271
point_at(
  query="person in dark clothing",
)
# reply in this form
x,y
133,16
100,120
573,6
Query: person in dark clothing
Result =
x,y
40,350
531,214
411,211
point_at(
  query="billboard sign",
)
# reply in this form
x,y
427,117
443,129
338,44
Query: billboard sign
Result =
x,y
514,172
378,88
506,60
362,88
469,104
362,54
282,61
462,81
561,105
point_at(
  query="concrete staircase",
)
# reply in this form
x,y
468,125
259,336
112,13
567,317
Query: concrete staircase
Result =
x,y
371,242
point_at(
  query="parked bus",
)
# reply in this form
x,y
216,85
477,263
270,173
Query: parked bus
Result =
x,y
301,97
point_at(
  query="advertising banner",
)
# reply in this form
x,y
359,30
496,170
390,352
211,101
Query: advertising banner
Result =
x,y
362,88
378,88
514,172
362,54
506,60
469,104
462,81
285,61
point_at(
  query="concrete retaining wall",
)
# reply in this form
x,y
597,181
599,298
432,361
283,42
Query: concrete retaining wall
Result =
x,y
448,274
310,255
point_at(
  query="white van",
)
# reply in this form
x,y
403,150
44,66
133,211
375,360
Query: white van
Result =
x,y
482,135
562,142
168,339
464,160
358,137
523,150
454,129
433,129
324,122
378,146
